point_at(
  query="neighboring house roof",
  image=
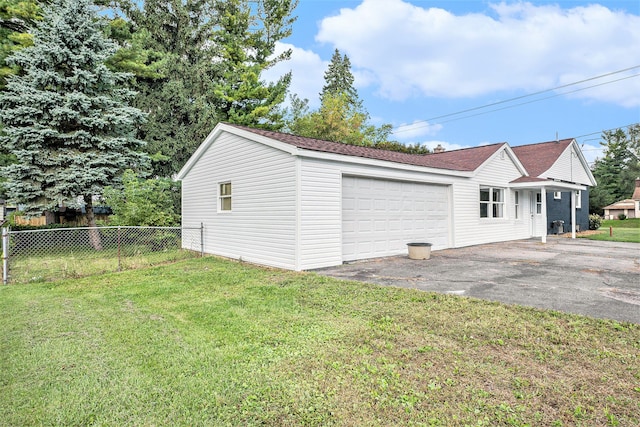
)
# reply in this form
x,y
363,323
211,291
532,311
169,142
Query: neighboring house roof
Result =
x,y
622,204
467,159
538,158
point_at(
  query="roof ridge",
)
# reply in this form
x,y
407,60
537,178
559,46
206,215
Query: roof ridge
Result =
x,y
546,142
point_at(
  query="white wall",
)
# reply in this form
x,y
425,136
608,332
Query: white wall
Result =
x,y
321,205
470,229
261,227
568,168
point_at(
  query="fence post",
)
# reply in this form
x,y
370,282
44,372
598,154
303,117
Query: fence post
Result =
x,y
5,255
201,239
119,267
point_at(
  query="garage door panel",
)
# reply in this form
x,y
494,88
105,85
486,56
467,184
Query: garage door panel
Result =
x,y
380,216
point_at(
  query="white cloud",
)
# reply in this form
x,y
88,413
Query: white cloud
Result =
x,y
406,50
417,129
308,72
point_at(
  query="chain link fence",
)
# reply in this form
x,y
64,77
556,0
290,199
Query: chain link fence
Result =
x,y
60,253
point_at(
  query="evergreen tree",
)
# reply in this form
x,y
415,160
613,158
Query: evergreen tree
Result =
x,y
341,116
339,80
15,17
615,173
67,118
213,54
247,41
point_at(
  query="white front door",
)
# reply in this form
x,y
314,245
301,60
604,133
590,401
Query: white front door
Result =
x,y
537,217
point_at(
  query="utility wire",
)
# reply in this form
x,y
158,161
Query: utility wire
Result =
x,y
529,102
412,125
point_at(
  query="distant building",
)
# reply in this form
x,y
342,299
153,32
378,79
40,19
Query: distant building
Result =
x,y
628,207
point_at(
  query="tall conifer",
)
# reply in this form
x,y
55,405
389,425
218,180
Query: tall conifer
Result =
x,y
66,117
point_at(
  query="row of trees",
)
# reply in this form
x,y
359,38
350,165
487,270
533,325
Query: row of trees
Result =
x,y
617,170
87,95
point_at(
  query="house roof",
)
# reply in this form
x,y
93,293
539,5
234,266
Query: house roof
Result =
x,y
538,158
622,204
467,159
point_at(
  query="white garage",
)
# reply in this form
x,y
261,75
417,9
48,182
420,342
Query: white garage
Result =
x,y
379,217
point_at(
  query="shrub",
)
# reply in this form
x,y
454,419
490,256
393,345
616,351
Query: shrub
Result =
x,y
594,221
622,217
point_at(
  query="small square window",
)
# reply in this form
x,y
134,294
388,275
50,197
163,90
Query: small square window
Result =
x,y
224,195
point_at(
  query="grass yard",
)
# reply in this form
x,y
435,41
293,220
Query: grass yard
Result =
x,y
627,230
79,263
212,342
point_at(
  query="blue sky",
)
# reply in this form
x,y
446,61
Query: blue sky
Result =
x,y
416,60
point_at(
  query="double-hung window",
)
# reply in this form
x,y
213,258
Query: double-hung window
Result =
x,y
224,197
491,202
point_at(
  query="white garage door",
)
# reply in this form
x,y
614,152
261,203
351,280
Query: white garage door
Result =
x,y
379,217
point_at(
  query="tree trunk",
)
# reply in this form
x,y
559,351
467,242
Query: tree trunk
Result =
x,y
94,233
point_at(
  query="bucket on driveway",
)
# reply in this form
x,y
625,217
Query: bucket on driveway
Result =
x,y
419,250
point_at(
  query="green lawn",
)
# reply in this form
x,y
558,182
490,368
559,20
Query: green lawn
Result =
x,y
211,342
627,230
57,265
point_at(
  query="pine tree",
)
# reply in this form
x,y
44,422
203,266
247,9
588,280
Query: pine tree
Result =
x,y
15,17
213,55
67,118
339,80
246,41
615,173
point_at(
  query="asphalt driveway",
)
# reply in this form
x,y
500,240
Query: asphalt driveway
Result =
x,y
597,279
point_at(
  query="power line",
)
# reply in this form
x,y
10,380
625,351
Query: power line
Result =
x,y
532,101
412,125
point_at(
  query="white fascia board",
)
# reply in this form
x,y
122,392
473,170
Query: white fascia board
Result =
x,y
509,152
342,158
549,185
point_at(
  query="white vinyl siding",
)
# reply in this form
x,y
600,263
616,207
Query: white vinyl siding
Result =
x,y
568,168
320,229
261,227
470,228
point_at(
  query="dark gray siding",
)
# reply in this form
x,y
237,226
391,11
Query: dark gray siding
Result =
x,y
560,209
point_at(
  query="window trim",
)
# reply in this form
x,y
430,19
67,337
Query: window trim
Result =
x,y
222,197
516,204
492,205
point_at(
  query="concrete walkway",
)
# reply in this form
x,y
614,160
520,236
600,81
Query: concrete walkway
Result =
x,y
593,278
